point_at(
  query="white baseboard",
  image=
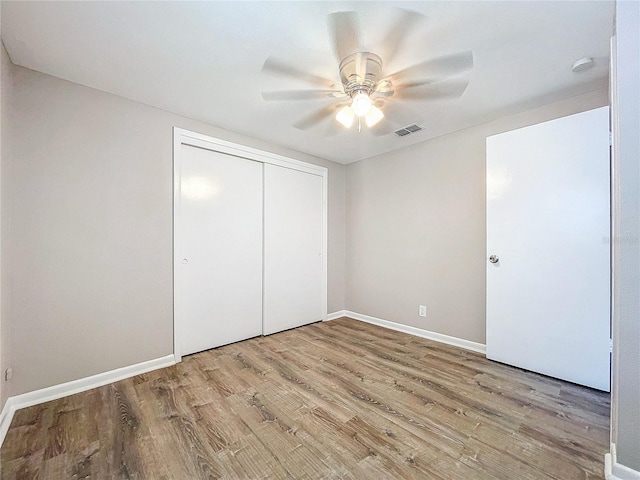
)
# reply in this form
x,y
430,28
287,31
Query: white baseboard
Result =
x,y
75,386
615,471
334,315
5,419
418,332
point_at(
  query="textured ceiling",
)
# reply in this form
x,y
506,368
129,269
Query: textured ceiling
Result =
x,y
204,59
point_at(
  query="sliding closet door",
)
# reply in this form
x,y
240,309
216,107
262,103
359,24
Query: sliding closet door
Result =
x,y
218,251
293,263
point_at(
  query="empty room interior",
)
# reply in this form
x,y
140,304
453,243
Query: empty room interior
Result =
x,y
320,239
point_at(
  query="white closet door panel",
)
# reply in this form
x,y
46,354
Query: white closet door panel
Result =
x,y
293,261
218,256
548,222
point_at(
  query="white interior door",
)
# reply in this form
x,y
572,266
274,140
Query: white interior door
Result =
x,y
218,250
548,223
293,263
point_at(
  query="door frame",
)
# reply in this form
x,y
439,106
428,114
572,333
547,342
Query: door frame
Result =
x,y
186,137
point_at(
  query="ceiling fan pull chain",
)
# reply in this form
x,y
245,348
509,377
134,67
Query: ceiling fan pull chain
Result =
x,y
359,125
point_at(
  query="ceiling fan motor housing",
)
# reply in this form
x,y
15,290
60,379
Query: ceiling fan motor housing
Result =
x,y
360,72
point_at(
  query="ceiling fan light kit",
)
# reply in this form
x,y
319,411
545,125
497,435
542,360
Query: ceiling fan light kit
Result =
x,y
359,73
361,103
346,116
373,116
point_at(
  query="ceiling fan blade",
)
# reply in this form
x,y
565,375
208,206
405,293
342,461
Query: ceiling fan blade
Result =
x,y
383,89
383,93
436,68
333,128
285,95
344,33
316,117
444,90
278,67
405,23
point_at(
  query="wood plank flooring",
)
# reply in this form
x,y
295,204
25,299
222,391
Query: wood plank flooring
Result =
x,y
341,399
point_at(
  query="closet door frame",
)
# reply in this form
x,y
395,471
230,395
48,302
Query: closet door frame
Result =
x,y
185,137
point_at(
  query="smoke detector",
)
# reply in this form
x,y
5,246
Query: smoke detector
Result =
x,y
582,64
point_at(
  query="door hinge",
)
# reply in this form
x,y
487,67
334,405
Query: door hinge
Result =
x,y
610,139
610,345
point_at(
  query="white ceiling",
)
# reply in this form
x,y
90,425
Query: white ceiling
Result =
x,y
204,59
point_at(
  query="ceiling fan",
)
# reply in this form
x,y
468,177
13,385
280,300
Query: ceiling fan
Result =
x,y
366,94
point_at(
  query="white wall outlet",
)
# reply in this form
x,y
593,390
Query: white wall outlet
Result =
x,y
8,373
422,311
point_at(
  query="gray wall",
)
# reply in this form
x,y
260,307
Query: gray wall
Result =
x,y
416,227
87,230
625,412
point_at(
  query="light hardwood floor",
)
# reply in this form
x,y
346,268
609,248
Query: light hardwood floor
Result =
x,y
341,399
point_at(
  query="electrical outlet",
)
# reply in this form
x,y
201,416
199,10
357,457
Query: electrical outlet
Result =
x,y
422,311
8,373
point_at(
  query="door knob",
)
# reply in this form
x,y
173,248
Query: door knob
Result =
x,y
185,261
494,259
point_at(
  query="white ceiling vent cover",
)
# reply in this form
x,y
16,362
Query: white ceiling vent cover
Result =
x,y
407,130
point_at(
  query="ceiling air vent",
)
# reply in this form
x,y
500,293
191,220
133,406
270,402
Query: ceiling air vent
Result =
x,y
407,130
